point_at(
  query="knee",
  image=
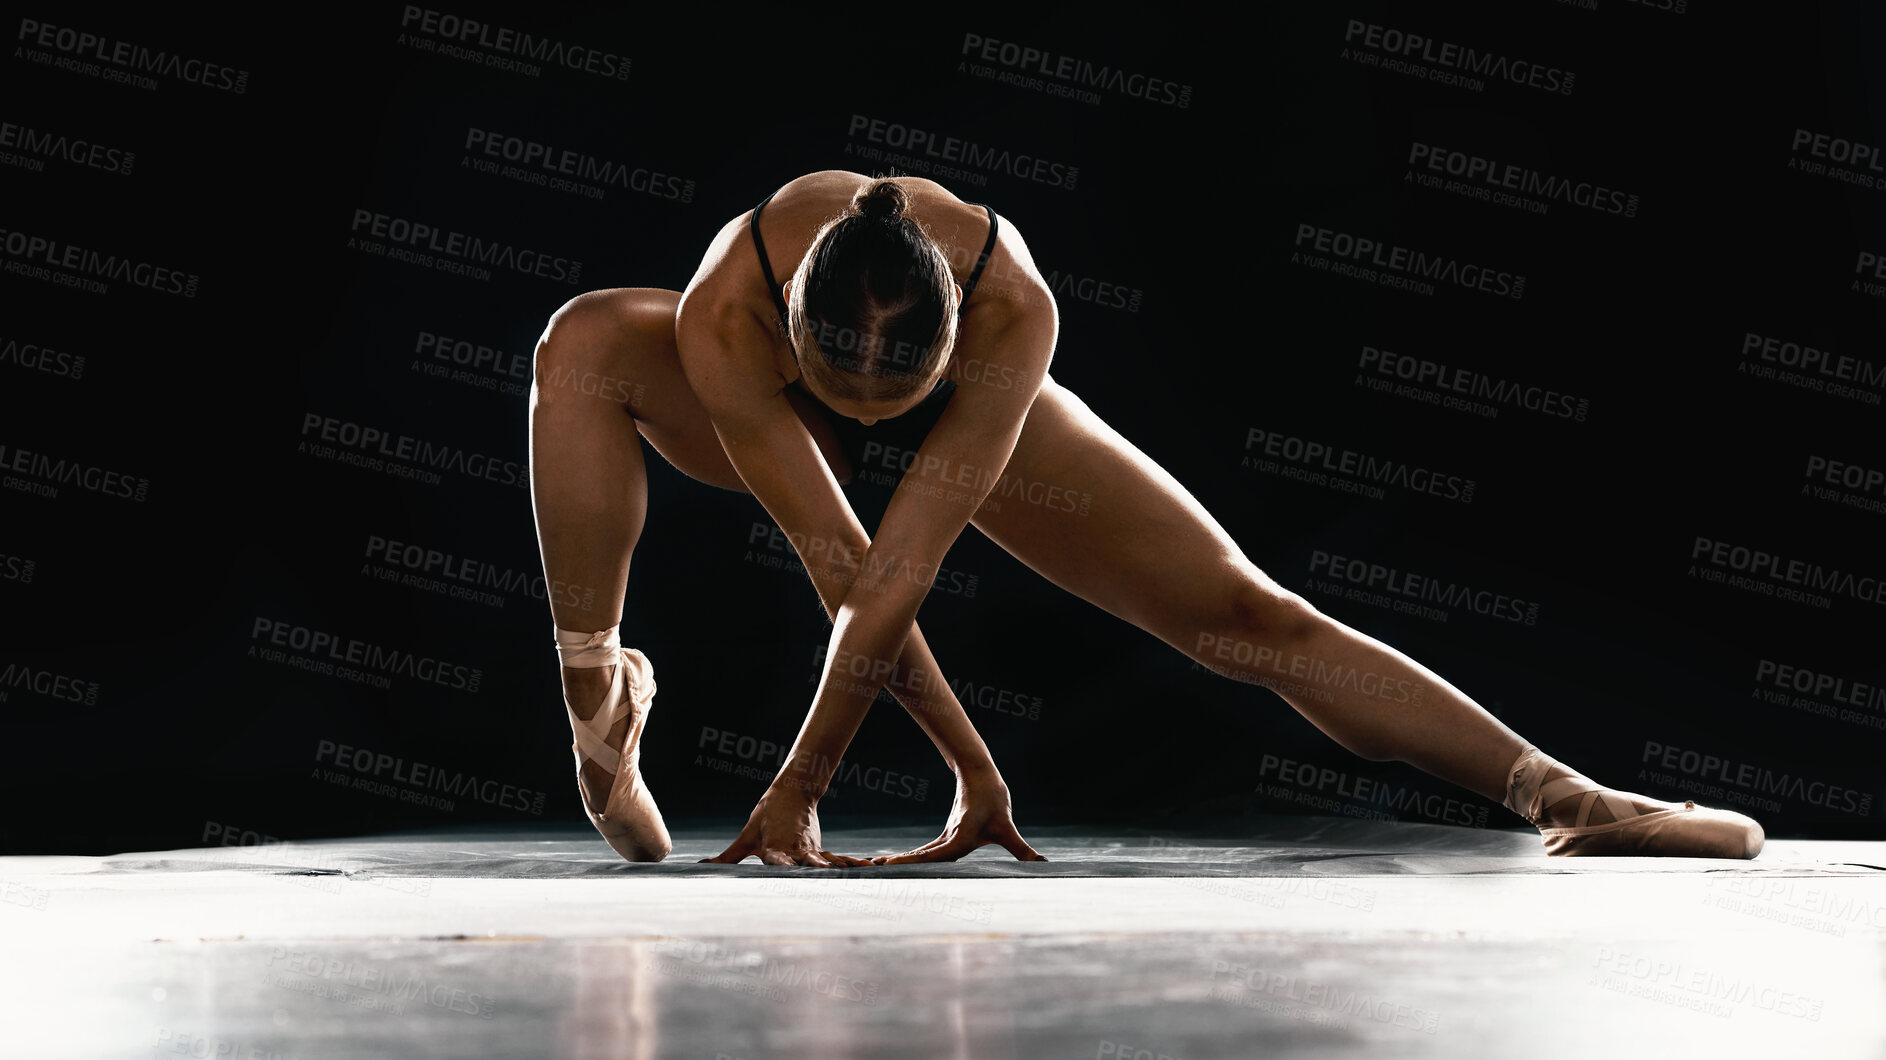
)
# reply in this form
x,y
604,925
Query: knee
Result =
x,y
1264,612
577,333
589,346
1256,629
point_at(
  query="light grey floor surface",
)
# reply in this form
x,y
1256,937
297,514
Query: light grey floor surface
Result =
x,y
1305,938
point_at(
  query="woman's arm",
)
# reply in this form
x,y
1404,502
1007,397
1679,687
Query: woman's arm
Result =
x,y
781,465
956,468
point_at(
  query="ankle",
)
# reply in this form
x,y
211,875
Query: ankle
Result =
x,y
585,686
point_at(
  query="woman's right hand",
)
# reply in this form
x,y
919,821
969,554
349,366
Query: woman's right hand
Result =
x,y
783,830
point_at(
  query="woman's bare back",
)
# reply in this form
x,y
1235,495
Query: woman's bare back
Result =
x,y
730,277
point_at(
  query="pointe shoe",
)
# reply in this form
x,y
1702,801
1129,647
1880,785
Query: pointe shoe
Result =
x,y
629,822
1687,831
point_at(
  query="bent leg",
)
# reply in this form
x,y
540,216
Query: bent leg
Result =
x,y
589,489
608,374
589,495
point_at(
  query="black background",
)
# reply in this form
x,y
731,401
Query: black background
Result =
x,y
1196,208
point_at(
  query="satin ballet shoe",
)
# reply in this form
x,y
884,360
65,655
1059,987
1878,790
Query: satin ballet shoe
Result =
x,y
629,822
1686,831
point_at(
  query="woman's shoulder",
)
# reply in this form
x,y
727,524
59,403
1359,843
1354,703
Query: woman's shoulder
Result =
x,y
816,197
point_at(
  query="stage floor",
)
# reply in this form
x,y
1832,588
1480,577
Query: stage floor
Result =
x,y
1309,938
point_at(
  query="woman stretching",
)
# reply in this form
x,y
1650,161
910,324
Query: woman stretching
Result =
x,y
842,301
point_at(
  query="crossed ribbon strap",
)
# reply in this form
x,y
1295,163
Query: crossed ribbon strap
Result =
x,y
1528,792
604,648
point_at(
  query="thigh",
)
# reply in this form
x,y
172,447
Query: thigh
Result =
x,y
1090,512
619,347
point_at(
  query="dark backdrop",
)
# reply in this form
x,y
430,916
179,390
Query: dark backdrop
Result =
x,y
1651,357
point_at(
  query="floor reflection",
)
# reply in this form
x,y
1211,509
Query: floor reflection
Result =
x,y
614,1012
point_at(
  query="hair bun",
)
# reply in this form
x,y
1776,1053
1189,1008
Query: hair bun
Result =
x,y
882,200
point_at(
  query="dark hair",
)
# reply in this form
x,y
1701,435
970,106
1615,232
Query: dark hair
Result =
x,y
874,311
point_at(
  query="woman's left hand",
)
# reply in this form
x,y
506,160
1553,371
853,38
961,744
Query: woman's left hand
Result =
x,y
979,816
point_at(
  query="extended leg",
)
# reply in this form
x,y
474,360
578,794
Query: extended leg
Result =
x,y
1141,547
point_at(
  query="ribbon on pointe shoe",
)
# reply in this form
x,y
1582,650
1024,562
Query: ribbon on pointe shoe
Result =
x,y
585,650
1679,831
604,648
1528,792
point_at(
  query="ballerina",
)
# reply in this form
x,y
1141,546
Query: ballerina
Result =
x,y
753,383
